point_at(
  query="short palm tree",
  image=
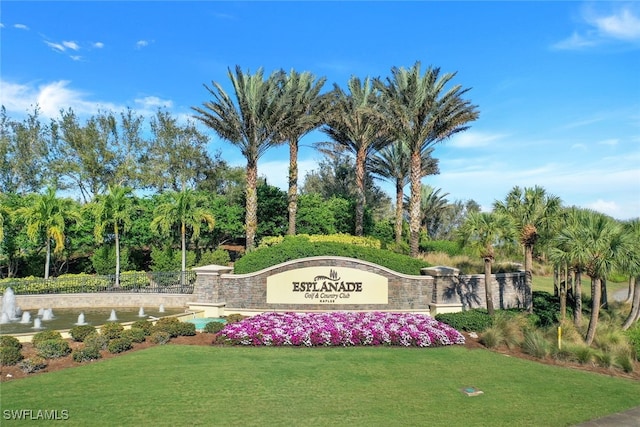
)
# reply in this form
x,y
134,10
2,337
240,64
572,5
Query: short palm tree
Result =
x,y
353,122
46,217
421,112
482,231
112,211
184,210
253,123
633,228
535,215
303,116
393,164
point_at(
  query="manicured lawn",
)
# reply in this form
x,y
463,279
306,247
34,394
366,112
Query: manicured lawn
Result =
x,y
244,386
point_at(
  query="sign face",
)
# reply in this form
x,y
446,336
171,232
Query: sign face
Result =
x,y
327,285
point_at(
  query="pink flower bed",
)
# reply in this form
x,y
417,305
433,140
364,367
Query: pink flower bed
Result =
x,y
341,329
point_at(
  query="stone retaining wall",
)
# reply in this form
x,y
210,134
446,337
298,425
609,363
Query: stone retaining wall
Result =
x,y
101,300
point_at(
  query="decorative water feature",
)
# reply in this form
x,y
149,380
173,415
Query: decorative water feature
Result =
x,y
141,312
37,323
161,309
8,306
81,320
113,317
26,317
47,314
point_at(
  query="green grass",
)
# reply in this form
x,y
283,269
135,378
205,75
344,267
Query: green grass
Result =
x,y
237,386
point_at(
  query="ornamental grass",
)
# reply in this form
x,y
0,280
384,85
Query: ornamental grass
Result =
x,y
340,329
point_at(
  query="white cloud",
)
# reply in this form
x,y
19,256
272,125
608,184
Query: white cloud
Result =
x,y
20,26
607,207
98,45
612,142
153,102
472,139
141,43
71,45
55,46
1,25
622,24
76,57
576,41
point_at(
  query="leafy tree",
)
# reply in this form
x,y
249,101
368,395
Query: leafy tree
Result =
x,y
45,219
177,158
534,214
113,211
432,207
303,115
482,231
224,180
23,153
184,209
315,215
353,122
421,112
393,164
253,123
272,208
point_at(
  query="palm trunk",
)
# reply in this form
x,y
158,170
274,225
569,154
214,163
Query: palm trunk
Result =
x,y
488,291
360,197
528,278
603,290
117,237
563,293
630,291
595,310
47,260
183,242
293,186
399,209
634,315
414,203
251,215
577,309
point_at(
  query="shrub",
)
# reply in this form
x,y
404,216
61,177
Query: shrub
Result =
x,y
53,349
217,257
633,336
492,337
45,336
293,247
86,354
471,320
9,341
10,356
97,341
134,335
169,325
584,354
145,325
80,332
535,344
160,337
111,330
235,317
624,361
213,327
32,364
449,247
185,329
119,345
546,308
134,280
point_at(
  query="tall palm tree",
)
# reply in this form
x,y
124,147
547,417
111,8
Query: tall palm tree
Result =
x,y
393,163
534,214
253,123
183,209
432,205
46,216
353,122
482,231
633,228
305,105
112,211
422,112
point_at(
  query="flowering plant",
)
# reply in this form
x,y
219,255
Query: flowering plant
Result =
x,y
340,329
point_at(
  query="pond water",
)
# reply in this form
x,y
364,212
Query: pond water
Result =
x,y
68,318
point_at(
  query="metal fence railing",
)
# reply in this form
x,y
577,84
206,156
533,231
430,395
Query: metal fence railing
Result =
x,y
151,282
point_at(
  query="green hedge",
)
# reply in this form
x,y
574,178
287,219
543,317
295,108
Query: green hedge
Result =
x,y
476,320
294,247
449,247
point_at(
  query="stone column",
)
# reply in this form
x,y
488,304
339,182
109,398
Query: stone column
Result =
x,y
445,298
207,286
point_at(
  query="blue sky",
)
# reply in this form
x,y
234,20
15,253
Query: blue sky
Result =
x,y
557,84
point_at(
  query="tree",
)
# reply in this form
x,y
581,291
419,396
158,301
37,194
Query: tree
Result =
x,y
183,209
482,231
421,112
432,206
45,218
253,123
534,214
177,157
393,163
353,122
112,211
303,116
633,228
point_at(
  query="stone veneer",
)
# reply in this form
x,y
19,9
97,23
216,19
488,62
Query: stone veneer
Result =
x,y
438,289
101,300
